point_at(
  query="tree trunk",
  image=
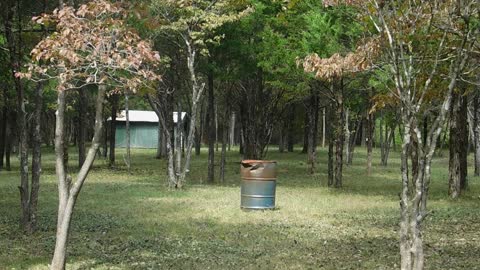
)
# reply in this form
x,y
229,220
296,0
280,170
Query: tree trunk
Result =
x,y
281,135
211,128
381,139
68,192
127,133
160,145
370,124
458,145
113,128
291,128
199,130
388,144
82,125
353,142
36,158
224,149
476,131
10,135
3,130
306,132
105,138
216,129
232,131
323,127
15,48
330,133
177,138
347,134
312,115
339,136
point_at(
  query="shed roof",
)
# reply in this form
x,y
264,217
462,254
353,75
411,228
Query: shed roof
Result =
x,y
143,116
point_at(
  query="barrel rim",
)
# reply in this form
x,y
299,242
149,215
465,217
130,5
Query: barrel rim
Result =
x,y
273,179
258,161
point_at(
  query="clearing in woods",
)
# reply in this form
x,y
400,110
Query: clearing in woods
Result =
x,y
134,222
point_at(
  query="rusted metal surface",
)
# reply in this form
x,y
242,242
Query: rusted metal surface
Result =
x,y
258,184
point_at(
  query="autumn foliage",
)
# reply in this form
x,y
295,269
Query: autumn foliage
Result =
x,y
337,66
92,45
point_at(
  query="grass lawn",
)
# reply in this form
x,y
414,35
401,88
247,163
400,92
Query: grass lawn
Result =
x,y
133,221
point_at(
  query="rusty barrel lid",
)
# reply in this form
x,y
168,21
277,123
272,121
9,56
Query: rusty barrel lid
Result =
x,y
258,170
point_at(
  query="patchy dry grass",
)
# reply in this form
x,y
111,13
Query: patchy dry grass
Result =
x,y
134,222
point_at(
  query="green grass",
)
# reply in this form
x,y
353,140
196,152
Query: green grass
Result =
x,y
133,221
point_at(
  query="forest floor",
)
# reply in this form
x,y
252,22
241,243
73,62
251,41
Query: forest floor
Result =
x,y
124,221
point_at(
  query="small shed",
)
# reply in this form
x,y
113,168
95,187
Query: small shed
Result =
x,y
144,128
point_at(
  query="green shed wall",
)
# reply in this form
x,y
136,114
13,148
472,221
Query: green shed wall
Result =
x,y
142,135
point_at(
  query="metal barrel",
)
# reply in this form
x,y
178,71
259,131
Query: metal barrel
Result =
x,y
259,179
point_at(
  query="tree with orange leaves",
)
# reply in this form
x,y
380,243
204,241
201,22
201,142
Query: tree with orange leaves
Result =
x,y
91,46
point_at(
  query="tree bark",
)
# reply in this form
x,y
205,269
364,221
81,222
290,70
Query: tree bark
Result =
x,y
291,128
347,134
339,136
105,138
127,133
10,141
281,136
68,192
306,132
369,141
160,145
14,47
113,129
231,141
312,115
82,125
331,140
223,157
211,128
323,127
353,141
458,145
3,130
36,158
476,132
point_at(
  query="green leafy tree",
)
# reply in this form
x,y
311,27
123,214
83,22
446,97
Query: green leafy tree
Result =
x,y
194,25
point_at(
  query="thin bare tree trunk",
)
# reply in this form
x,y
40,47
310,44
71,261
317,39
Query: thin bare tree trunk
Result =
x,y
353,142
3,129
339,136
9,139
331,140
458,145
36,158
14,46
232,131
127,133
160,145
105,138
311,143
68,191
216,128
82,125
223,157
476,131
323,127
211,129
347,133
291,120
113,129
369,141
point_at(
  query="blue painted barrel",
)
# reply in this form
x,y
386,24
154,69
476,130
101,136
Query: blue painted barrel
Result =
x,y
259,178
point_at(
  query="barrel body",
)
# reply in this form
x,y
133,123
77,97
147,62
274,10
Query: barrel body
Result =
x,y
258,187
